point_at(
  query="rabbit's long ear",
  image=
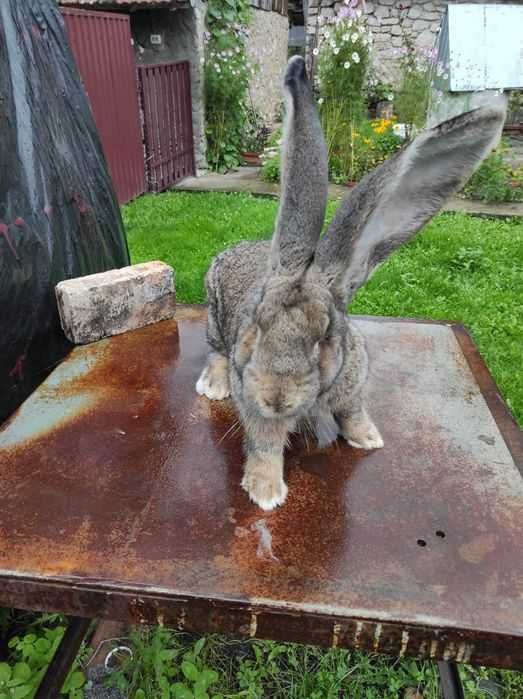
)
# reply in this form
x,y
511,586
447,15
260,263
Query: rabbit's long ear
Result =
x,y
391,204
304,177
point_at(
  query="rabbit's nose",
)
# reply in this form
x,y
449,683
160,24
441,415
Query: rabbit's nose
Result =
x,y
273,404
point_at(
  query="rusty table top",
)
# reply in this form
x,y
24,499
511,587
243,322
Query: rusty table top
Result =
x,y
120,498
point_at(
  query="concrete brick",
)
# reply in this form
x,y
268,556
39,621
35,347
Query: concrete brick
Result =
x,y
111,303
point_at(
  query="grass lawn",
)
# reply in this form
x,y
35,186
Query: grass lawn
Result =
x,y
460,268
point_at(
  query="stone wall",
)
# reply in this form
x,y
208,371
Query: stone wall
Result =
x,y
421,18
267,46
181,32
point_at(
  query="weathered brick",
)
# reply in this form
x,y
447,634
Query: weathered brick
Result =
x,y
111,303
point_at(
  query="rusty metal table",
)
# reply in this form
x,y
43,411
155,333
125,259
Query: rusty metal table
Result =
x,y
121,499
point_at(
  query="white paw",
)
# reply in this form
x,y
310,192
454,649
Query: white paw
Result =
x,y
265,492
369,442
363,435
213,384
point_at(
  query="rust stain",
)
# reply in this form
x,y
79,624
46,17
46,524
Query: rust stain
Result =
x,y
475,550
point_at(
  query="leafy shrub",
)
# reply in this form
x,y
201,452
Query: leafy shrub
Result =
x,y
255,131
164,667
495,181
515,106
29,658
227,73
370,144
354,145
343,61
270,157
417,67
270,171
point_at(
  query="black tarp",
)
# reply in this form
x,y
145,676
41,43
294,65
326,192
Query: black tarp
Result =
x,y
58,212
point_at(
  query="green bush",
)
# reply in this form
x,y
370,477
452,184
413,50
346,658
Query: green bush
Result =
x,y
270,171
227,73
28,659
163,666
494,181
343,62
368,145
418,66
255,131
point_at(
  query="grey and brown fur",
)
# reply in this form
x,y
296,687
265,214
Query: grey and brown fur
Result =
x,y
282,344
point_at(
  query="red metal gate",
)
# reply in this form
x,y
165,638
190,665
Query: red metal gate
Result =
x,y
167,117
101,44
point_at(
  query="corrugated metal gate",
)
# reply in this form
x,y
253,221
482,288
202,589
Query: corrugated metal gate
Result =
x,y
101,44
167,117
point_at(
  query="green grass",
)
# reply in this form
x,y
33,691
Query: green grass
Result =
x,y
460,268
269,670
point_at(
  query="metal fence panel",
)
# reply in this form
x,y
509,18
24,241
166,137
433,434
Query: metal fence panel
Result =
x,y
101,44
167,117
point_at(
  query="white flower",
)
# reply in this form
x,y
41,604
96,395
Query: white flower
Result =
x,y
354,37
390,97
336,51
327,34
216,66
355,57
315,51
345,37
445,76
346,65
237,49
320,101
333,44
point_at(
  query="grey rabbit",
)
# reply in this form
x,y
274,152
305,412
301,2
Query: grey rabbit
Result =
x,y
281,343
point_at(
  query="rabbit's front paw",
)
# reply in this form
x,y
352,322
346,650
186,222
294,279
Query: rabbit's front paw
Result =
x,y
214,379
264,483
361,432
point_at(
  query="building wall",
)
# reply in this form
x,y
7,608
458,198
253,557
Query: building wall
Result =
x,y
268,46
182,40
421,18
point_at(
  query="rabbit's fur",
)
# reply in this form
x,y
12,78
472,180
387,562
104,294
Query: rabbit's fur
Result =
x,y
282,344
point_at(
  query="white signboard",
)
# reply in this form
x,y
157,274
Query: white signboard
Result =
x,y
485,46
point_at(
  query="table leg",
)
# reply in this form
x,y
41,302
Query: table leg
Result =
x,y
63,659
450,680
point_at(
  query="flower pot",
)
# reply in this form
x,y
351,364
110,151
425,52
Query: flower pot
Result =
x,y
250,158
